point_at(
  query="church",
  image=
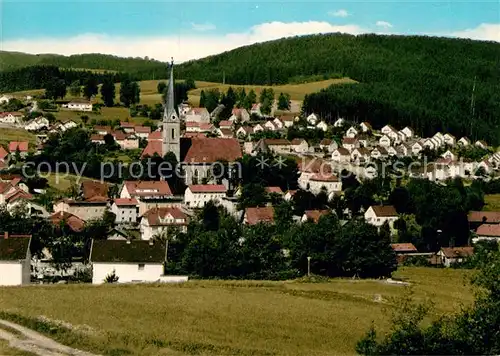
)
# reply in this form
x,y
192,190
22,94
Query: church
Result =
x,y
196,154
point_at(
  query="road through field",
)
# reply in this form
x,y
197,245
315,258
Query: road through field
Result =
x,y
30,341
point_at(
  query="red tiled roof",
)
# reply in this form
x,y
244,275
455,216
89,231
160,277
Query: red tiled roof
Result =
x,y
5,114
492,230
102,128
343,151
276,190
17,194
404,247
324,178
21,145
155,136
454,252
315,165
257,215
315,215
152,188
277,142
491,217
325,142
142,129
126,124
384,211
213,149
121,136
226,132
349,140
287,118
226,123
297,141
192,124
198,111
154,146
206,127
74,222
96,137
155,216
207,188
126,201
3,153
194,135
5,187
92,189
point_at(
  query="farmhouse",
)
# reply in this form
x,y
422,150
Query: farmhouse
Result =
x,y
159,221
15,259
451,255
378,215
197,195
78,105
131,261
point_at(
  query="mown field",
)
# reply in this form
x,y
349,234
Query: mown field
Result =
x,y
492,202
228,317
9,134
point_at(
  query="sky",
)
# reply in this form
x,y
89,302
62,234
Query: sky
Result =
x,y
194,29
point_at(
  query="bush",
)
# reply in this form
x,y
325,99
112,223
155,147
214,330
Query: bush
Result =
x,y
111,278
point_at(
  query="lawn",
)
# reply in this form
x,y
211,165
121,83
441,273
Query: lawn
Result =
x,y
10,134
492,202
62,181
229,317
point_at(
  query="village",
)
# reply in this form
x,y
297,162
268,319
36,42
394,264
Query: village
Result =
x,y
145,211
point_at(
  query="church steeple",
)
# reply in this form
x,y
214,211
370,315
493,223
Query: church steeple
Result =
x,y
171,123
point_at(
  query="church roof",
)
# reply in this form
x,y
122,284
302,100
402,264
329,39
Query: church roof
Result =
x,y
169,109
211,150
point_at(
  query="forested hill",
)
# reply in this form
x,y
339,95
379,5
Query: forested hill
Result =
x,y
425,82
16,60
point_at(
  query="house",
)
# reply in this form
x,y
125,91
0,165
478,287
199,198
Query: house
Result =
x,y
126,141
329,182
328,145
74,223
199,115
197,195
416,148
486,166
350,143
258,128
287,120
299,145
322,126
449,139
387,129
269,125
439,138
78,105
255,110
239,115
276,145
192,126
131,261
385,141
351,132
10,117
183,109
392,151
97,139
339,122
126,210
274,190
363,139
4,99
449,156
254,216
289,195
366,127
4,155
225,133
408,132
225,124
142,131
341,155
149,194
481,144
313,215
378,215
207,128
128,127
84,209
487,232
450,255
464,141
244,131
279,124
379,153
404,248
102,130
158,221
312,119
15,259
37,124
431,144
360,155
21,146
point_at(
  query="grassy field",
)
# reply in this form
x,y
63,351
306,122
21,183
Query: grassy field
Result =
x,y
492,202
226,317
62,181
8,134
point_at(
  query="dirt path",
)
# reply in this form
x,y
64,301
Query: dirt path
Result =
x,y
28,340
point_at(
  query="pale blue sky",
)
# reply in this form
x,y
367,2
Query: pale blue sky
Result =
x,y
29,24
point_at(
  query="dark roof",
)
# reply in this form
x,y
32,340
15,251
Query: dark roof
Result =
x,y
121,251
492,217
384,211
453,252
404,247
14,248
91,189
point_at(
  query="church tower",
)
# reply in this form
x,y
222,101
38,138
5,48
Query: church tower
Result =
x,y
171,134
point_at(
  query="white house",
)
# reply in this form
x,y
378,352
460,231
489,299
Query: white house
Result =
x,y
449,139
4,99
416,148
199,115
351,132
10,117
350,143
269,125
258,128
312,119
464,141
37,124
451,255
131,261
278,123
287,120
244,131
255,110
449,155
159,220
341,155
339,122
408,132
392,151
387,129
385,141
78,105
328,145
360,155
299,145
240,115
330,182
365,127
149,194
126,210
379,153
84,209
15,259
481,144
378,215
322,126
196,196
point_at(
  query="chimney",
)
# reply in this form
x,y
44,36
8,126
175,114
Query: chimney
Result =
x,y
6,235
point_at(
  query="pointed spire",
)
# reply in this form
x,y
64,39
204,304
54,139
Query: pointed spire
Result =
x,y
169,108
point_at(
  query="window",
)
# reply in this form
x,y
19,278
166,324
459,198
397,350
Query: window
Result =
x,y
141,267
173,134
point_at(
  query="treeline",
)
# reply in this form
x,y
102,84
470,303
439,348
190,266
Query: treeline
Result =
x,y
40,76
